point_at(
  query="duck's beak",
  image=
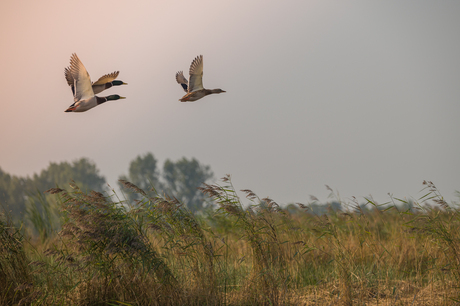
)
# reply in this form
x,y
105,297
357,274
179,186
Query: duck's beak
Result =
x,y
124,84
122,97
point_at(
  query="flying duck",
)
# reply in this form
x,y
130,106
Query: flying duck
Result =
x,y
194,89
104,82
83,91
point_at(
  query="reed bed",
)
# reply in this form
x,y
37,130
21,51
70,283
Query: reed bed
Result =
x,y
248,251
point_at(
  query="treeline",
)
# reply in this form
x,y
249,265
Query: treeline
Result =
x,y
178,179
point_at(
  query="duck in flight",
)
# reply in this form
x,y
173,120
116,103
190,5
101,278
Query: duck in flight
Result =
x,y
104,82
84,91
194,88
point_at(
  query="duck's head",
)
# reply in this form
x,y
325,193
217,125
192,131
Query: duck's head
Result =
x,y
114,97
118,83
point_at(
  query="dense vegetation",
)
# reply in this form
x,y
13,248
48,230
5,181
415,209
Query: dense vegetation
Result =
x,y
153,251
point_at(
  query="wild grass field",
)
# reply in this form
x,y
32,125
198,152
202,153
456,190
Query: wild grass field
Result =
x,y
245,251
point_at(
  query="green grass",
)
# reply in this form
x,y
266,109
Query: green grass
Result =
x,y
94,249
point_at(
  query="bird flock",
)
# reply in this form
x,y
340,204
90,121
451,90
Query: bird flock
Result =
x,y
84,92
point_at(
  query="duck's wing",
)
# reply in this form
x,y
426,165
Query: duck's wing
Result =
x,y
196,74
182,80
68,76
82,81
108,78
69,79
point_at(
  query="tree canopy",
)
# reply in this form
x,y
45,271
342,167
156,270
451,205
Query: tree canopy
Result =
x,y
82,171
15,191
182,178
178,179
143,173
12,192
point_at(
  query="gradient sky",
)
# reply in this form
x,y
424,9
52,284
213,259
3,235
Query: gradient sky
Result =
x,y
361,95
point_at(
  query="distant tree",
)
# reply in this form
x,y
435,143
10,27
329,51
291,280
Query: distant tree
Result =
x,y
182,178
12,193
336,206
15,191
294,209
82,171
143,173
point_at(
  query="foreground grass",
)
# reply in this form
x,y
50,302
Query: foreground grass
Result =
x,y
155,252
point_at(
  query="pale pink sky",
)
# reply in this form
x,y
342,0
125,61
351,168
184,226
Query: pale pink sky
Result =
x,y
362,96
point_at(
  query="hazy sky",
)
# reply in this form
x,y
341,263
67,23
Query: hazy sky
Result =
x,y
361,95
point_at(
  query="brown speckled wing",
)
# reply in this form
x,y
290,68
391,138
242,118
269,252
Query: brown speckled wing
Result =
x,y
68,76
69,79
107,78
196,74
180,78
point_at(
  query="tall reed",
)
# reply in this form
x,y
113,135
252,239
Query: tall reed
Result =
x,y
109,252
16,280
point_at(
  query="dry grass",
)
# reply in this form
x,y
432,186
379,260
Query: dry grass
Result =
x,y
155,252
